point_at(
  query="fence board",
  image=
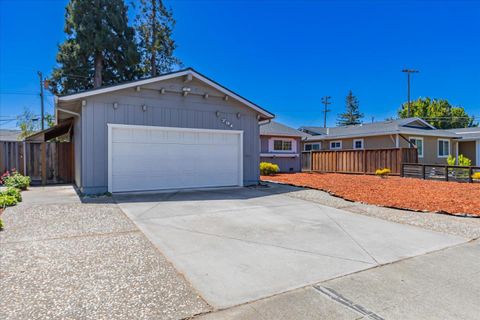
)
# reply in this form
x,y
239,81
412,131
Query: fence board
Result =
x,y
57,166
365,161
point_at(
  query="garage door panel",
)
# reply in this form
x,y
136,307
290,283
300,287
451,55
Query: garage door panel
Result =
x,y
151,158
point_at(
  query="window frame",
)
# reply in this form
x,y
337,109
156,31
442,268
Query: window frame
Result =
x,y
438,148
359,140
335,141
423,145
271,145
312,144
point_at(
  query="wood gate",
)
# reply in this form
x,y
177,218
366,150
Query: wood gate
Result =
x,y
44,162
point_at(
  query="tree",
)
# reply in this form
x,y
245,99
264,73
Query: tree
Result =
x,y
100,48
154,26
29,123
438,112
352,114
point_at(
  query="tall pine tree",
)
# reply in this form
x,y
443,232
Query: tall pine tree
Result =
x,y
352,114
100,48
154,26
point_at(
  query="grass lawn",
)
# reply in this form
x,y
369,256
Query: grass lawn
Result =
x,y
406,193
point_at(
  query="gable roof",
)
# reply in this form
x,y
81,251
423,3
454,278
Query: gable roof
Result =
x,y
399,126
274,128
166,76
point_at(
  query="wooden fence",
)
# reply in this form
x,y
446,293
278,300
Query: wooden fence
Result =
x,y
44,162
439,172
365,161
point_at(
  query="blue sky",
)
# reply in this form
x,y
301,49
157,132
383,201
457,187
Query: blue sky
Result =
x,y
283,55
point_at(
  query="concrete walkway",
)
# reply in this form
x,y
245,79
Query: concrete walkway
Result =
x,y
240,245
439,285
64,259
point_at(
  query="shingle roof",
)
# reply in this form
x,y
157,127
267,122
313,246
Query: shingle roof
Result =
x,y
9,134
467,133
274,128
407,126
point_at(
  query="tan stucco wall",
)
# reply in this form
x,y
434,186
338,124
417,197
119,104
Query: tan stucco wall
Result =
x,y
430,149
467,148
430,145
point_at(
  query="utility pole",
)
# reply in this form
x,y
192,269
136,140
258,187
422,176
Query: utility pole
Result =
x,y
42,109
408,72
325,109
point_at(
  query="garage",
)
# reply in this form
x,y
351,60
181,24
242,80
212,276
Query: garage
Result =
x,y
146,158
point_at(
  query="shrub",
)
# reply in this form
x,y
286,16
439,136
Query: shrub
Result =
x,y
383,173
16,180
7,201
476,175
1,224
268,169
10,191
462,161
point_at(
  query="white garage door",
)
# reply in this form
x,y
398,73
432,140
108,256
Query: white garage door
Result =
x,y
142,158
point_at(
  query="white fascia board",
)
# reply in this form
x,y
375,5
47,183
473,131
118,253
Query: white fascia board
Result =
x,y
162,78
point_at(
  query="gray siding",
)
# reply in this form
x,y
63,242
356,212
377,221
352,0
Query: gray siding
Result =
x,y
290,164
169,110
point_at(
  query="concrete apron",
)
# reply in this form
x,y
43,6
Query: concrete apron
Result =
x,y
237,246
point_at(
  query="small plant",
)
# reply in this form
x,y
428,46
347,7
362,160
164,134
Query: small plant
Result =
x,y
7,201
462,161
383,173
1,224
16,180
476,176
268,169
10,191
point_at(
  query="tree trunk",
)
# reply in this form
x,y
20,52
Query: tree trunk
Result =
x,y
153,58
97,81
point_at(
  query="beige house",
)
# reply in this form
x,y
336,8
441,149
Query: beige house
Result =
x,y
433,145
469,143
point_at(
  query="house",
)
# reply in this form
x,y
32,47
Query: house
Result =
x,y
177,130
10,135
469,143
433,145
281,145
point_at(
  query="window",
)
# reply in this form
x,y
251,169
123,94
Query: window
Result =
x,y
358,144
443,149
419,143
335,145
311,146
282,145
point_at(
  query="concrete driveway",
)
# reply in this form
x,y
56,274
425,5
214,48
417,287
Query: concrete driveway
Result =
x,y
240,245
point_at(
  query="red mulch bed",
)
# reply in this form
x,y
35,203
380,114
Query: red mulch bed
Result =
x,y
405,193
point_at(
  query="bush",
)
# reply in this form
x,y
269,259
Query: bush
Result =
x,y
476,176
383,173
1,224
7,201
268,169
16,180
462,161
10,191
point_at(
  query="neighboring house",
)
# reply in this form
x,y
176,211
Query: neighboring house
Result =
x,y
177,130
469,143
433,145
281,145
10,135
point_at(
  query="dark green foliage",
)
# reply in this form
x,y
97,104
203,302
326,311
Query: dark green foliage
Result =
x,y
154,26
100,48
352,114
438,112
